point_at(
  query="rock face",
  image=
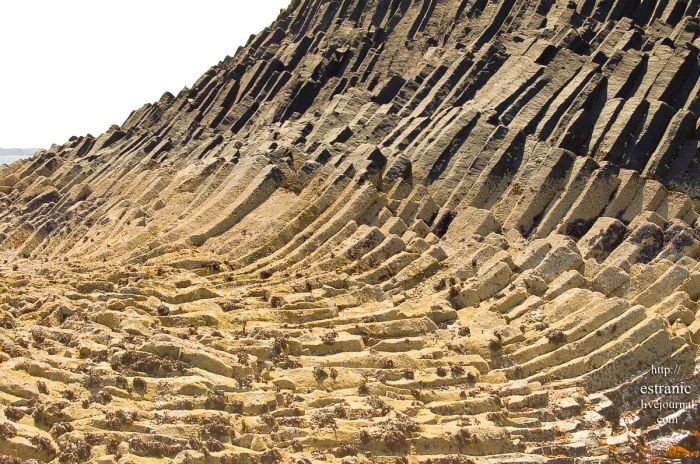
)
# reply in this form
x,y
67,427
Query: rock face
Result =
x,y
387,231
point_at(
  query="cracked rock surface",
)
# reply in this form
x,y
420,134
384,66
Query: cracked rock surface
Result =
x,y
384,231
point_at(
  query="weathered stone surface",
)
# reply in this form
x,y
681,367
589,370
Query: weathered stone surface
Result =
x,y
430,231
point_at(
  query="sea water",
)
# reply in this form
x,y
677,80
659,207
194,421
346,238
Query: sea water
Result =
x,y
8,159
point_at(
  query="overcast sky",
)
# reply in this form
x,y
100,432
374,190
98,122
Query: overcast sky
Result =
x,y
73,67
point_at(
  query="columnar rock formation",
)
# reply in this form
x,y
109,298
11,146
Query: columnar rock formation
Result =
x,y
388,231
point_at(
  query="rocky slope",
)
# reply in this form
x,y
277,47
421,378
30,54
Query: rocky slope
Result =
x,y
387,231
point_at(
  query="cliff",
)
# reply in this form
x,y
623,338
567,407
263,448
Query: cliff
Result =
x,y
391,231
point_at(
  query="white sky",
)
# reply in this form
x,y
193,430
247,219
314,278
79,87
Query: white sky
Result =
x,y
73,67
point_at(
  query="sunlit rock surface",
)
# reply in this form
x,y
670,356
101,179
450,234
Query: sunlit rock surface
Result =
x,y
384,231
